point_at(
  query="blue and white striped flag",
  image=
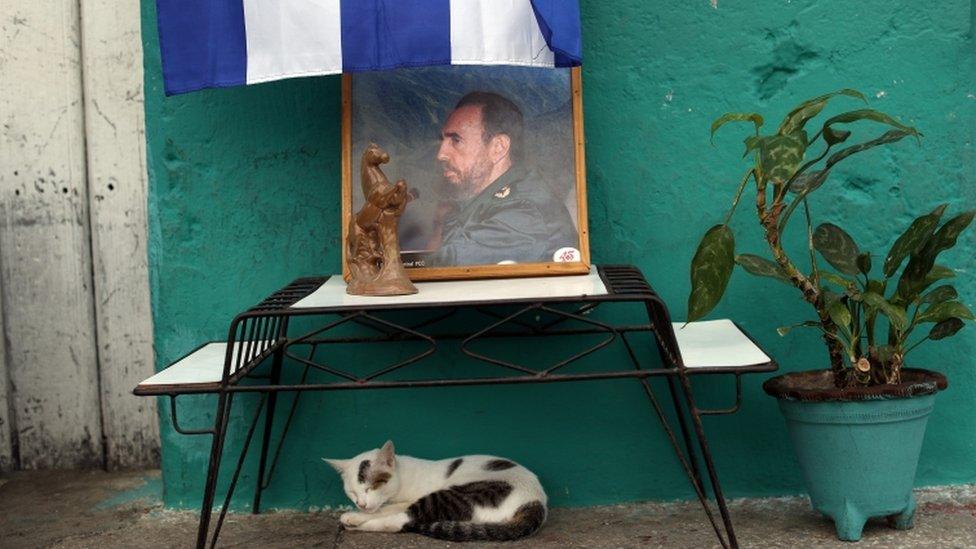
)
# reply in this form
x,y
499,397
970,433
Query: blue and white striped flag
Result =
x,y
221,43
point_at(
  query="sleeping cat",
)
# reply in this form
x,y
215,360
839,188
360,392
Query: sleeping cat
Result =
x,y
457,499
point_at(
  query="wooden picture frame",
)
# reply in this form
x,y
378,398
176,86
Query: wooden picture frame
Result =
x,y
405,111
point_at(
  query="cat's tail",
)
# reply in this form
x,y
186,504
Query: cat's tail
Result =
x,y
526,521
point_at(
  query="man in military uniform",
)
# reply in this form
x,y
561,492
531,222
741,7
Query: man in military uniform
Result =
x,y
505,213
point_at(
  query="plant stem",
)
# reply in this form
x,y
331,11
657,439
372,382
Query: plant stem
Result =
x,y
917,343
911,325
815,272
738,195
869,328
802,195
811,293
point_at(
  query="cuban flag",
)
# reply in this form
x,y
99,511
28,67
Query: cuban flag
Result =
x,y
222,43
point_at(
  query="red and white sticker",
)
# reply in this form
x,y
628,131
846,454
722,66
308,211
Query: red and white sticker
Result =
x,y
566,255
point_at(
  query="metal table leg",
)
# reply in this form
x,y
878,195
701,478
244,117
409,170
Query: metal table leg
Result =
x,y
224,402
690,472
707,457
683,425
268,425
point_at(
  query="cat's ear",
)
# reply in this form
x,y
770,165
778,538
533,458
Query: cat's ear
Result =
x,y
387,454
338,464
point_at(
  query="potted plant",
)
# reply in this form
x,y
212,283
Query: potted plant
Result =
x,y
856,427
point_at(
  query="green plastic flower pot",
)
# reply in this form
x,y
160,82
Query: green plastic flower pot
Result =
x,y
858,449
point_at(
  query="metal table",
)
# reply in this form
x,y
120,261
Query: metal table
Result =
x,y
511,311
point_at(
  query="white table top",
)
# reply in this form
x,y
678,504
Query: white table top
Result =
x,y
205,365
716,343
333,292
711,343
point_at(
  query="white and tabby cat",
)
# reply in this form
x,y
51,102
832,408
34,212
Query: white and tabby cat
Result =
x,y
457,499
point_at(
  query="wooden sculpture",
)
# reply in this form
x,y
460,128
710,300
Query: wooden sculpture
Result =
x,y
372,246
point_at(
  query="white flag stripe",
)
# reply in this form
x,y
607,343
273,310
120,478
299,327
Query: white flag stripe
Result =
x,y
287,38
487,32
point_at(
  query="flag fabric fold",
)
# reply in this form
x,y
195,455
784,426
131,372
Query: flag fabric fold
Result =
x,y
223,43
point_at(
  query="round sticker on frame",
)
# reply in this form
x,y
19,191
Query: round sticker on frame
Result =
x,y
566,255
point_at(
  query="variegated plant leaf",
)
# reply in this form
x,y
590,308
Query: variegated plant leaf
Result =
x,y
864,263
869,114
710,271
946,328
940,294
833,136
780,155
755,118
837,247
913,277
939,272
896,315
876,286
803,112
840,315
945,310
912,240
889,137
836,279
752,143
783,330
760,266
808,182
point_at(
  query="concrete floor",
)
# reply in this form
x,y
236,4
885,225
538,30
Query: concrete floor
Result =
x,y
108,510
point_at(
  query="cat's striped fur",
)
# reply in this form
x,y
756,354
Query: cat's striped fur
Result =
x,y
457,499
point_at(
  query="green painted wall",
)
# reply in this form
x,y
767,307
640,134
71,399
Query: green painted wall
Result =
x,y
244,197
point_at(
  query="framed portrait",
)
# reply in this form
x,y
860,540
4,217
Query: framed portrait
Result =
x,y
493,160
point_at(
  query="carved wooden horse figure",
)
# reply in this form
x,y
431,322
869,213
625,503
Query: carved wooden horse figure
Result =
x,y
372,247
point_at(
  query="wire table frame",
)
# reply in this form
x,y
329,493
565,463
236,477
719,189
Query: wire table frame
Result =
x,y
261,335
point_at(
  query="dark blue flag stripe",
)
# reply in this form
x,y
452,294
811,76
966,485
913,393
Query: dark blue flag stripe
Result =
x,y
202,43
559,21
386,34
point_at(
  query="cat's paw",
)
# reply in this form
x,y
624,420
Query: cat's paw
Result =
x,y
353,519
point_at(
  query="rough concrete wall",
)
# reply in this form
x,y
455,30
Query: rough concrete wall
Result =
x,y
7,457
72,237
245,191
115,145
44,239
